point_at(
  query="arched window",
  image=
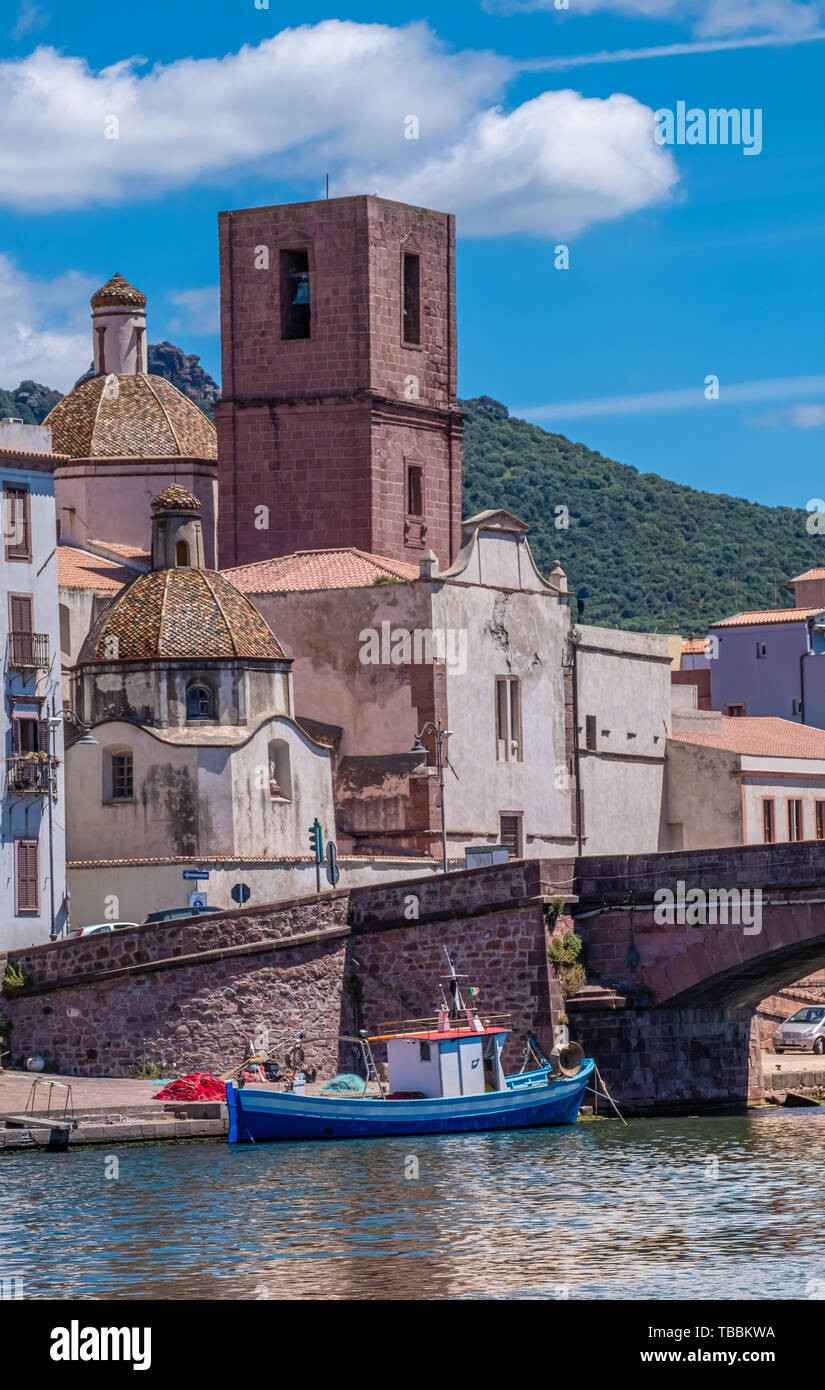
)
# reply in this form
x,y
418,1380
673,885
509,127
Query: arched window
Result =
x,y
200,702
182,554
280,775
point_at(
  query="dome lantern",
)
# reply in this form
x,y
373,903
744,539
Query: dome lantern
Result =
x,y
119,328
177,531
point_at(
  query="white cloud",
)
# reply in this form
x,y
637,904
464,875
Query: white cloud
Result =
x,y
705,17
681,398
201,310
549,168
329,97
46,333
29,18
795,417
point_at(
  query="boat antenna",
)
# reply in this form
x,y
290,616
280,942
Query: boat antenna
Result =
x,y
455,993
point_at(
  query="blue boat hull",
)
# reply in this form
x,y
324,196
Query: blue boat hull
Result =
x,y
261,1115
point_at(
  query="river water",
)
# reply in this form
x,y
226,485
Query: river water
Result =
x,y
711,1208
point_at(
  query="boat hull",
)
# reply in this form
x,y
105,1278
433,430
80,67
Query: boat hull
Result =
x,y
257,1114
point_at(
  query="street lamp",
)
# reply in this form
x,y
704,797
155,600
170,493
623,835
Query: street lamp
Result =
x,y
55,720
441,736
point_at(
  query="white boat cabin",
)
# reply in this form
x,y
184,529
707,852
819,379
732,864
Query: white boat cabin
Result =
x,y
459,1058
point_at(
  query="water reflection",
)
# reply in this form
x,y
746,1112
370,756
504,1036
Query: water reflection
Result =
x,y
710,1208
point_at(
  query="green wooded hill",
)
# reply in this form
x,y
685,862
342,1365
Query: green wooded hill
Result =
x,y
644,553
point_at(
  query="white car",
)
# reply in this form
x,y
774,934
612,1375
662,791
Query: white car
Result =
x,y
804,1030
98,927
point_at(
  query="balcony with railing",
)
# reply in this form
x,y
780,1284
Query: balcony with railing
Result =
x,y
29,651
31,774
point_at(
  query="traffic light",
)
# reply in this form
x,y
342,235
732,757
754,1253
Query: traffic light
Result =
x,y
316,841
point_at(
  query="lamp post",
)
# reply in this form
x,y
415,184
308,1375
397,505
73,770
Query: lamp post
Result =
x,y
441,736
55,720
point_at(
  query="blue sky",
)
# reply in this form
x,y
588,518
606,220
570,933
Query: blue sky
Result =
x,y
536,128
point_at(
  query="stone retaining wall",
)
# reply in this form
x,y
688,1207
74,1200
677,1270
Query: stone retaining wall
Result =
x,y
187,995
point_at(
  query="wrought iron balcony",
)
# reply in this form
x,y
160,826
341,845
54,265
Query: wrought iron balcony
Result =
x,y
32,774
29,651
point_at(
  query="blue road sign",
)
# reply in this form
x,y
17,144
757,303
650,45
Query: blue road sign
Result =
x,y
196,873
241,893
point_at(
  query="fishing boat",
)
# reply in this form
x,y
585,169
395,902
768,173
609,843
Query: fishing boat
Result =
x,y
445,1077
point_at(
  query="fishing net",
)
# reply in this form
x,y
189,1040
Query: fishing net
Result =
x,y
344,1081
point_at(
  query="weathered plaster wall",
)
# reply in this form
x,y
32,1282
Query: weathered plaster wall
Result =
x,y
196,795
703,798
123,890
624,681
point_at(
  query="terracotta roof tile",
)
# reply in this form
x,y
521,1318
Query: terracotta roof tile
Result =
x,y
180,613
694,646
768,615
118,291
77,569
306,570
816,573
759,736
129,552
176,499
148,417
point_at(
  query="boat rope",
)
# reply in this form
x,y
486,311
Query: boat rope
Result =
x,y
606,1095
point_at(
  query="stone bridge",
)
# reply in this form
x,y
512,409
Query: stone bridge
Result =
x,y
673,982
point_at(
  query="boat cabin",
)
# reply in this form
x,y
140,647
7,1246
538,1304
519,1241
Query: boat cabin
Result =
x,y
460,1058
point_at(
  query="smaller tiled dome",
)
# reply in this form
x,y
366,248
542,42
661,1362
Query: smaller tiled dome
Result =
x,y
180,614
117,292
176,499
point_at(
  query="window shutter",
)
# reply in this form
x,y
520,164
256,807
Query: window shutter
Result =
x,y
28,876
16,521
43,736
22,617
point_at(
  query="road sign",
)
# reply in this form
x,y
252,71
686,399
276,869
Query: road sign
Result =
x,y
333,872
196,873
241,893
197,900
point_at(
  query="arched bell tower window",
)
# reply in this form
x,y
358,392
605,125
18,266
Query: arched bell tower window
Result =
x,y
200,702
182,554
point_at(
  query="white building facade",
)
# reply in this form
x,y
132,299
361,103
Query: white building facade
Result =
x,y
33,897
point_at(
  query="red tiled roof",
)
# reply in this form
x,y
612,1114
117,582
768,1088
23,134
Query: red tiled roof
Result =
x,y
759,736
77,569
118,291
305,570
768,615
694,646
129,552
816,573
180,613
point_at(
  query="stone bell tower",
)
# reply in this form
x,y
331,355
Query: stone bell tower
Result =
x,y
338,423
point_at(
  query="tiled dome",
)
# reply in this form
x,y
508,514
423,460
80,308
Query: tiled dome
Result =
x,y
118,291
180,613
147,416
175,499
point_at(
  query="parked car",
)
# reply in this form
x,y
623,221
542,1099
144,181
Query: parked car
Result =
x,y
98,927
804,1030
170,913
